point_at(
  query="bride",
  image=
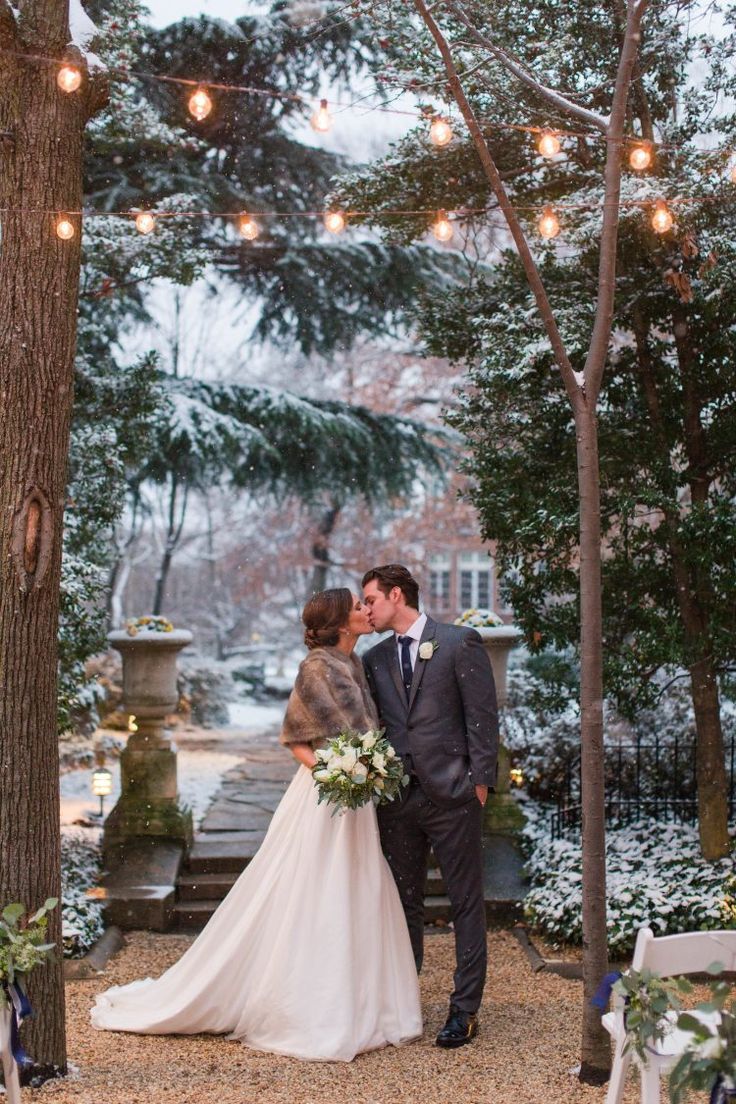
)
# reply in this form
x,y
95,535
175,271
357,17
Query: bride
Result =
x,y
309,953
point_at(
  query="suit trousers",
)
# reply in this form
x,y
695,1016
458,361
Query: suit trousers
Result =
x,y
409,827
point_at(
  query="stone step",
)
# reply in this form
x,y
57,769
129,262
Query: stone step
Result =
x,y
202,887
193,915
434,886
223,852
437,908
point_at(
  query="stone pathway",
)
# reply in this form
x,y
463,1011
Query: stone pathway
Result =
x,y
238,818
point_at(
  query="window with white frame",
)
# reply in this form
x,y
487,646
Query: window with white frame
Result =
x,y
475,580
439,581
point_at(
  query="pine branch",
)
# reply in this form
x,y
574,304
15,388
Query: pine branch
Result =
x,y
554,98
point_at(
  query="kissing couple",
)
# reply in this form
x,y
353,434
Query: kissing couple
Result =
x,y
315,951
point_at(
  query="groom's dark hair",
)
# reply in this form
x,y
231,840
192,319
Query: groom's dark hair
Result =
x,y
395,575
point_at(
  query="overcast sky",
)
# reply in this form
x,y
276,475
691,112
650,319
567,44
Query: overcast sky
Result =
x,y
164,12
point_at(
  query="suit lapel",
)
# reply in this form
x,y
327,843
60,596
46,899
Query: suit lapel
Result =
x,y
420,666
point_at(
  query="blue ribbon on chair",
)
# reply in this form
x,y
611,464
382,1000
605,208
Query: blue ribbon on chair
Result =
x,y
719,1094
603,993
20,1010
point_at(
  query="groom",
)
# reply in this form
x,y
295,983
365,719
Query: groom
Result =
x,y
436,698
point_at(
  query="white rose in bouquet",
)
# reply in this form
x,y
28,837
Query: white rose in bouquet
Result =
x,y
359,773
322,775
368,740
379,762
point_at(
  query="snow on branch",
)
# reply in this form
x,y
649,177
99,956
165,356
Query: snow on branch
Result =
x,y
556,99
8,28
81,31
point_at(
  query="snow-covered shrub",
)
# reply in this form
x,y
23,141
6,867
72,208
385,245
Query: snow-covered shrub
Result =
x,y
81,916
656,877
205,691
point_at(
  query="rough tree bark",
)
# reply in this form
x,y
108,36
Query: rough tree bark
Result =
x,y
324,529
40,172
582,390
694,593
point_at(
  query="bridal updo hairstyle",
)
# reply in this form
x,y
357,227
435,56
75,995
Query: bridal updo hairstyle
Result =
x,y
324,615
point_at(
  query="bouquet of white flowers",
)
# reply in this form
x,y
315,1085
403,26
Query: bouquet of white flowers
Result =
x,y
479,619
355,769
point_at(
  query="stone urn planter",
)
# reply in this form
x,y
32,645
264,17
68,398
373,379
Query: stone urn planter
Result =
x,y
502,812
148,804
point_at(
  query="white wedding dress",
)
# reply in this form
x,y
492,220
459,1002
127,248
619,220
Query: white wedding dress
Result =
x,y
308,955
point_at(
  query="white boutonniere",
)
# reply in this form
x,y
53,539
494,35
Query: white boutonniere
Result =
x,y
427,649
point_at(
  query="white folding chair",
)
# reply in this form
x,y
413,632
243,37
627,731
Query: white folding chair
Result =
x,y
667,955
10,1068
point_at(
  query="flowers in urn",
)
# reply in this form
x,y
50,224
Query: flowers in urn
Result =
x,y
354,769
479,619
136,625
23,945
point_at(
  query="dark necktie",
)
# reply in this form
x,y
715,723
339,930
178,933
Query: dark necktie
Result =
x,y
406,671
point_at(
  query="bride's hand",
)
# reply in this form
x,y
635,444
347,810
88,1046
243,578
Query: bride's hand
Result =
x,y
304,754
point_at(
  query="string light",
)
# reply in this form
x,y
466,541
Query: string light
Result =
x,y
549,224
640,157
662,218
548,144
69,78
200,104
144,222
440,132
248,228
442,227
64,228
334,221
321,121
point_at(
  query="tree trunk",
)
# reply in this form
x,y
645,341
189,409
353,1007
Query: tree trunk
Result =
x,y
694,595
173,536
596,1053
40,170
321,547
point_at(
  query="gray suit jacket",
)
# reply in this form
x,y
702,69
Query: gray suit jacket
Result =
x,y
450,722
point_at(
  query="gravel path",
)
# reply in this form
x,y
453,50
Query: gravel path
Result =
x,y
527,1047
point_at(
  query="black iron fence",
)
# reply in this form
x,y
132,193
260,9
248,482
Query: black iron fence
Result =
x,y
644,779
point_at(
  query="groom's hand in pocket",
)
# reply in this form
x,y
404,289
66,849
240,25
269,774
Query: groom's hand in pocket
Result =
x,y
481,792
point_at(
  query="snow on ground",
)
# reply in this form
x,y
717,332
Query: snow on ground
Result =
x,y
248,715
199,769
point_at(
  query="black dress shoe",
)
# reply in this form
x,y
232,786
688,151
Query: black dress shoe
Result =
x,y
460,1028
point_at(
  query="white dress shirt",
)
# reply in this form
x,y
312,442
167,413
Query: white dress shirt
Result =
x,y
415,632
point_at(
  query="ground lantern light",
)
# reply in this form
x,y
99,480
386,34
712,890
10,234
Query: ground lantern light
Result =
x,y
102,786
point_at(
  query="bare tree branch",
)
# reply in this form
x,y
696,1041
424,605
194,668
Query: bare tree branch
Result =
x,y
598,349
572,381
554,98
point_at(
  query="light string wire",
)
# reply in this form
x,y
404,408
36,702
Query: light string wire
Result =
x,y
125,73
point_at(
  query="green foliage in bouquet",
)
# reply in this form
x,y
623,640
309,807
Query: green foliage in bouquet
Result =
x,y
354,769
654,1008
22,945
649,998
709,1063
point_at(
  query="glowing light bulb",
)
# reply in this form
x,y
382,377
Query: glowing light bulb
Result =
x,y
321,121
69,78
248,227
548,144
65,228
442,227
440,132
549,224
662,218
144,222
200,104
334,221
640,157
